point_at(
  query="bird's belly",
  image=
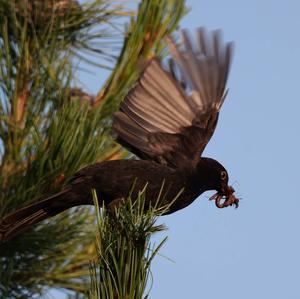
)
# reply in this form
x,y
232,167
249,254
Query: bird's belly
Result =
x,y
168,190
186,198
118,179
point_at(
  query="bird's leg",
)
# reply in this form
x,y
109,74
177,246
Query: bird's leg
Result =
x,y
115,204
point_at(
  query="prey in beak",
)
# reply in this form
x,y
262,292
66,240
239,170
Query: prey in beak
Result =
x,y
225,198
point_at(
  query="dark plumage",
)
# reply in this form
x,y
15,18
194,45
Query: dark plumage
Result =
x,y
166,119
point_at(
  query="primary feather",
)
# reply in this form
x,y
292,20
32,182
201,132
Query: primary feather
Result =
x,y
170,116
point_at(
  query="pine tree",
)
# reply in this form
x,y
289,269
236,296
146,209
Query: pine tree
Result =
x,y
50,128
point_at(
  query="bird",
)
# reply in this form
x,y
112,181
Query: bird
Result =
x,y
166,119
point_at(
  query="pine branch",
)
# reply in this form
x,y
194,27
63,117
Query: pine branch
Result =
x,y
144,38
124,250
47,133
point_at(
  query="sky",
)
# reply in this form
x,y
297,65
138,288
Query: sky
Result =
x,y
253,251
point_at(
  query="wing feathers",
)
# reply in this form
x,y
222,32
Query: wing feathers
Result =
x,y
131,133
160,111
149,118
163,83
170,116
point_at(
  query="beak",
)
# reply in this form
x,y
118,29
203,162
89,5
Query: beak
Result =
x,y
230,199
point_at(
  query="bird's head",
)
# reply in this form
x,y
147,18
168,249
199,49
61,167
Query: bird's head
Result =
x,y
218,180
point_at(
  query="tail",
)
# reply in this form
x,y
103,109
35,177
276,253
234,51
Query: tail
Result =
x,y
20,220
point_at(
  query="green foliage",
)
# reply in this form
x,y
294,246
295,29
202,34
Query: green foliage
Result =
x,y
88,27
46,134
143,39
124,251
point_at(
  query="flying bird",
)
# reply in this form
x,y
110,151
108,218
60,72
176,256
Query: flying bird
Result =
x,y
166,120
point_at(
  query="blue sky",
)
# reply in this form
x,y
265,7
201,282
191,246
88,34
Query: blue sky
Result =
x,y
254,251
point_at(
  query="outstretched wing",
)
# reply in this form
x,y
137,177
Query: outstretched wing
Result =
x,y
170,116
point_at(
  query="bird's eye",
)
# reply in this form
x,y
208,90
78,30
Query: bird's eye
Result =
x,y
223,175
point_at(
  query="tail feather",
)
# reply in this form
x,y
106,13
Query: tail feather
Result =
x,y
22,219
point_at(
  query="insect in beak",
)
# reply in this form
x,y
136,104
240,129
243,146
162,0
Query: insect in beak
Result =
x,y
228,196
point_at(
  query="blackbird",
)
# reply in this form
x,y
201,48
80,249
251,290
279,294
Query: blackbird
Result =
x,y
166,120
